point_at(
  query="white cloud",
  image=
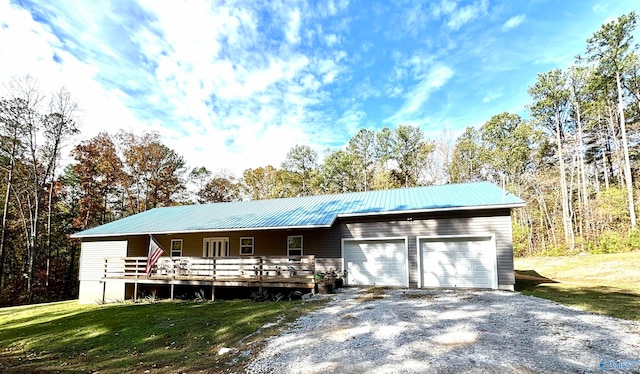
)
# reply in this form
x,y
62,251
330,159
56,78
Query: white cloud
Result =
x,y
458,16
428,82
294,27
491,95
332,7
442,8
513,22
462,16
331,40
352,119
415,20
435,79
393,91
255,96
365,90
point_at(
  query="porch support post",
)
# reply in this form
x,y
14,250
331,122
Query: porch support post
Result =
x,y
260,273
104,280
213,292
172,285
135,290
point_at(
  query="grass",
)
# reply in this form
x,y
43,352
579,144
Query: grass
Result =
x,y
164,337
605,283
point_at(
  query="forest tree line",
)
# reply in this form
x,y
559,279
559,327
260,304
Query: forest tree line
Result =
x,y
573,158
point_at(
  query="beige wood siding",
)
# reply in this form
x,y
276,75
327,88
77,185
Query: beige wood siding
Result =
x,y
324,264
266,243
138,245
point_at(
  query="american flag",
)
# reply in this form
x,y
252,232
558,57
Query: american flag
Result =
x,y
155,251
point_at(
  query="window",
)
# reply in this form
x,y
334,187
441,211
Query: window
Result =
x,y
294,245
246,245
176,247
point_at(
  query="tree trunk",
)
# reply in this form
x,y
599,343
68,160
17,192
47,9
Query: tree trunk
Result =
x,y
572,213
577,218
625,149
617,149
49,208
583,174
4,223
5,209
604,162
34,215
545,216
566,218
71,276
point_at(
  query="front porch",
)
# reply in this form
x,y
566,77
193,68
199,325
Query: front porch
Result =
x,y
239,271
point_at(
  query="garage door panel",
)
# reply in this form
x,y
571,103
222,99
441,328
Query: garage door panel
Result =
x,y
441,257
448,269
479,268
376,262
464,281
464,269
446,282
358,273
462,254
432,278
482,283
458,262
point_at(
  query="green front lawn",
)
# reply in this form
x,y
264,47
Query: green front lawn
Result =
x,y
604,283
161,337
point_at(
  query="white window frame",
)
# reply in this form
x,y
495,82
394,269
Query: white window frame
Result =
x,y
245,246
181,247
289,249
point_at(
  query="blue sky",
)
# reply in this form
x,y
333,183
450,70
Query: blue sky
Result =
x,y
236,84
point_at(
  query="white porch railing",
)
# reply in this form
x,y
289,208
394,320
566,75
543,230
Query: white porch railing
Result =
x,y
296,269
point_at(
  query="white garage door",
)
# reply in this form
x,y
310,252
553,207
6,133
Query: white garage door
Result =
x,y
458,262
381,262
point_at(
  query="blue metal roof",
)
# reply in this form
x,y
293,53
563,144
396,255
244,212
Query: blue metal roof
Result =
x,y
305,212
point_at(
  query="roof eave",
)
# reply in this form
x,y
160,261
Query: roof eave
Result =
x,y
415,211
77,236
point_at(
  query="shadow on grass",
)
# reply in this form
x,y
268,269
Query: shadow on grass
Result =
x,y
528,279
609,301
170,337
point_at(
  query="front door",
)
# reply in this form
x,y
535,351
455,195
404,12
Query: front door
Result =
x,y
216,247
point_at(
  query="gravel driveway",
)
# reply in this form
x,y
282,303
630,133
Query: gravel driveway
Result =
x,y
446,331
